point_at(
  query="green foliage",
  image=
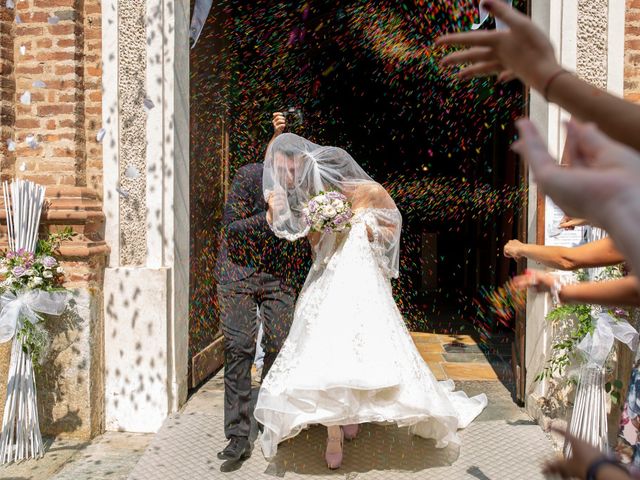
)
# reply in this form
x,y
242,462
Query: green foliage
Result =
x,y
577,321
51,244
34,340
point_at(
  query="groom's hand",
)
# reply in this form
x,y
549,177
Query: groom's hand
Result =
x,y
277,202
279,123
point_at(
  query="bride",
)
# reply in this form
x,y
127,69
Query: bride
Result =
x,y
349,357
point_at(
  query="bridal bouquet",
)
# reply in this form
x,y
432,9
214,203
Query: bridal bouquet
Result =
x,y
328,212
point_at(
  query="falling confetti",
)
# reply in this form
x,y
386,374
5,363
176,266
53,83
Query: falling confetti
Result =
x,y
25,98
39,84
148,104
100,135
23,167
18,19
122,193
131,172
23,50
31,141
53,20
10,4
11,145
364,76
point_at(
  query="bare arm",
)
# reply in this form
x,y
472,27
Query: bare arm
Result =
x,y
623,291
600,253
614,116
620,292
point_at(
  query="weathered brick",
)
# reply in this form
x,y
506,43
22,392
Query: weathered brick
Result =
x,y
632,51
49,110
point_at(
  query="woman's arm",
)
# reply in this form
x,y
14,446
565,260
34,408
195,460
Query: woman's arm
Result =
x,y
620,292
600,253
623,292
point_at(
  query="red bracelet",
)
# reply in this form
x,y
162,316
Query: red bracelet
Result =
x,y
545,90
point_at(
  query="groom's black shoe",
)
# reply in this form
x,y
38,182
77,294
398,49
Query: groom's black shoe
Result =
x,y
239,448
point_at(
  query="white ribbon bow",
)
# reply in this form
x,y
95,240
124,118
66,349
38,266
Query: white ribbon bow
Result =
x,y
25,305
597,345
484,15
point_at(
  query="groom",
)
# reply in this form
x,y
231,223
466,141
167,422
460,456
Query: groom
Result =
x,y
254,270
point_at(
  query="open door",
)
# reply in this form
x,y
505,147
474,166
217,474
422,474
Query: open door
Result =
x,y
209,182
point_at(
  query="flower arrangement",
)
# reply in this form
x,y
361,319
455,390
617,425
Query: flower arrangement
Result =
x,y
23,271
328,212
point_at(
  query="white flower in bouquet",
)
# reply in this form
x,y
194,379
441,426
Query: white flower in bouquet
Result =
x,y
30,272
329,212
59,270
37,281
47,274
4,270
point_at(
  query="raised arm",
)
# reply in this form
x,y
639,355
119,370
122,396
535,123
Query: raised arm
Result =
x,y
525,52
600,253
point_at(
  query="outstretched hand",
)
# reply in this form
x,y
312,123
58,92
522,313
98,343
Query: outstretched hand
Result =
x,y
522,52
582,456
602,172
537,279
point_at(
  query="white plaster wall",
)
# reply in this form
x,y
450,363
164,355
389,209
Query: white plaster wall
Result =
x,y
572,26
136,362
146,305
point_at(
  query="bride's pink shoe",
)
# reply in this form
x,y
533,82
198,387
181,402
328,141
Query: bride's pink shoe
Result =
x,y
351,431
333,454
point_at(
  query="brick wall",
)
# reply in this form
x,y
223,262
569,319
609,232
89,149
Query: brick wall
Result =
x,y
56,51
632,51
52,49
7,88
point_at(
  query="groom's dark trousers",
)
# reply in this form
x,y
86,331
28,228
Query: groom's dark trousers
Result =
x,y
254,270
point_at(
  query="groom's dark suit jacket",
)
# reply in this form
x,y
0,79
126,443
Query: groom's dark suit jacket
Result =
x,y
248,245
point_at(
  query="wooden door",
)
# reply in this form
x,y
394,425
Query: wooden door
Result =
x,y
209,182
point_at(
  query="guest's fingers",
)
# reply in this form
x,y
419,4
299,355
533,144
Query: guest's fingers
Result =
x,y
506,76
471,55
484,38
482,69
512,17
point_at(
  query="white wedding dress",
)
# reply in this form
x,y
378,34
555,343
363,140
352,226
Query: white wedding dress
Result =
x,y
349,357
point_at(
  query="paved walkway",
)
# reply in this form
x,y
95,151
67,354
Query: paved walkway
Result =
x,y
502,443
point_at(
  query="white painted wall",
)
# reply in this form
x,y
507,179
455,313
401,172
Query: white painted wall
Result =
x,y
559,19
146,306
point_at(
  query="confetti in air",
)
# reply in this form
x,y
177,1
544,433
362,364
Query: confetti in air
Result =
x,y
100,135
25,98
365,76
131,172
31,141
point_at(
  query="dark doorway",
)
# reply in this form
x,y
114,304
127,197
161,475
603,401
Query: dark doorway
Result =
x,y
366,78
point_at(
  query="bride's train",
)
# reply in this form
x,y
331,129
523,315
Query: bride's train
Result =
x,y
350,359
